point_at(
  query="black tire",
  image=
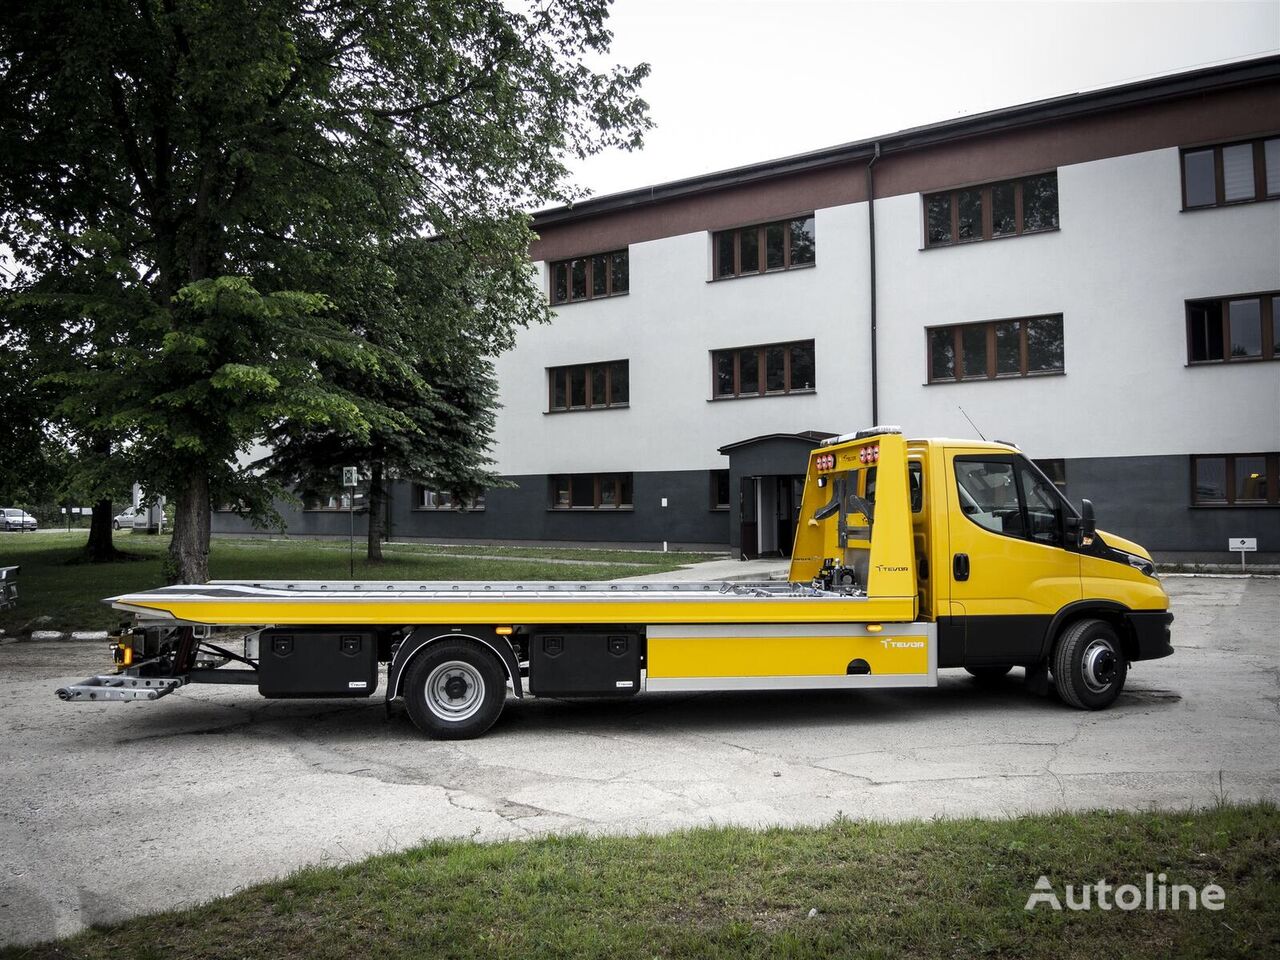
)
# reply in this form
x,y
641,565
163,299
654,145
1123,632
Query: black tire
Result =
x,y
455,689
988,672
1089,665
115,524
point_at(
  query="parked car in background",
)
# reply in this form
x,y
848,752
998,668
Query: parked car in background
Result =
x,y
16,519
126,519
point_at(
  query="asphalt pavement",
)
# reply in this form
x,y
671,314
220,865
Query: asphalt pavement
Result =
x,y
109,810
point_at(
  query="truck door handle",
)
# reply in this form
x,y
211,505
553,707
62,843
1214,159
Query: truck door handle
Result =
x,y
960,566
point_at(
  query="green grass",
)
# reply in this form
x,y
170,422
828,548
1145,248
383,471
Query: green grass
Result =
x,y
948,888
57,584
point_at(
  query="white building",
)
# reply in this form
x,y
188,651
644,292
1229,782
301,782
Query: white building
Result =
x,y
1094,277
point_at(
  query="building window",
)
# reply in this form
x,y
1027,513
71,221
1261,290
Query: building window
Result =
x,y
333,500
428,498
589,386
1235,480
590,278
590,491
772,369
719,489
1234,328
1007,209
1231,173
765,247
996,348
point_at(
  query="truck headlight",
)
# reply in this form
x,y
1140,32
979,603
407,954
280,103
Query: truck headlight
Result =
x,y
1142,565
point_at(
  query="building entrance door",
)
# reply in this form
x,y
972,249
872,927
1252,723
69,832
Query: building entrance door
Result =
x,y
768,510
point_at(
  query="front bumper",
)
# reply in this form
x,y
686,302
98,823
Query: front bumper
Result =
x,y
1150,628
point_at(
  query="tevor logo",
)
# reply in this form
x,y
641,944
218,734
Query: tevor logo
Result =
x,y
885,568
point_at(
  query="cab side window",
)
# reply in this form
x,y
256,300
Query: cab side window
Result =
x,y
915,477
1044,506
989,495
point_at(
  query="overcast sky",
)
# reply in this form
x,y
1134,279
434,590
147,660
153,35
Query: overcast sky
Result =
x,y
737,81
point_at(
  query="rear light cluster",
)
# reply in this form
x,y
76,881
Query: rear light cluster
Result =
x,y
869,454
826,461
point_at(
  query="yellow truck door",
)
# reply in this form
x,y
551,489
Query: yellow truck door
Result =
x,y
1009,571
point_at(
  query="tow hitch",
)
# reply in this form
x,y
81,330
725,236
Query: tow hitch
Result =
x,y
120,686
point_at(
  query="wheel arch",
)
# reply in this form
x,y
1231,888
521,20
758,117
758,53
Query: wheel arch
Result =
x,y
1111,612
422,637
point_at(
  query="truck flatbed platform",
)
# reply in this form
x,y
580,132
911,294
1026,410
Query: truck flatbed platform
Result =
x,y
300,602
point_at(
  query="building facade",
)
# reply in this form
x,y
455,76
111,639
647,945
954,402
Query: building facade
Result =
x,y
1095,278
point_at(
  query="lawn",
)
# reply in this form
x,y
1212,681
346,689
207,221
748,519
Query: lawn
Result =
x,y
55,583
943,888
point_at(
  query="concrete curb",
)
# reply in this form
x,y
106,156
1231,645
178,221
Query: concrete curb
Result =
x,y
85,636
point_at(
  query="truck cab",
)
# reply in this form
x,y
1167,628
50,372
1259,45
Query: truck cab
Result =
x,y
1007,568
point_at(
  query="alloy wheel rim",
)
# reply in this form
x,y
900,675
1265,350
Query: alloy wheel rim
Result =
x,y
454,691
1099,664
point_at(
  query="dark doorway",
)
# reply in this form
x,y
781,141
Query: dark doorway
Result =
x,y
768,510
767,473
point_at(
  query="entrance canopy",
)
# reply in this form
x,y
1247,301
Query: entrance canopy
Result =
x,y
766,481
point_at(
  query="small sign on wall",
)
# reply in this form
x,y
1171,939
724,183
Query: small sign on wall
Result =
x,y
350,477
1243,545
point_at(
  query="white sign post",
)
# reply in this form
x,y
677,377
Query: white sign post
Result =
x,y
351,477
1243,545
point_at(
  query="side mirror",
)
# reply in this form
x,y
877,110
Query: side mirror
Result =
x,y
1088,527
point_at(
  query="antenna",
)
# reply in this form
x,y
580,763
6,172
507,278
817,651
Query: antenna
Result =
x,y
971,423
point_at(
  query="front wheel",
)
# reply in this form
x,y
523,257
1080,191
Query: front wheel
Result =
x,y
455,690
115,524
1089,665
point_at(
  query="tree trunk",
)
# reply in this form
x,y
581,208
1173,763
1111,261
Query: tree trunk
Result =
x,y
100,549
189,549
377,512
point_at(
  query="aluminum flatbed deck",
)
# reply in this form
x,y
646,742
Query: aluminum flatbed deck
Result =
x,y
299,602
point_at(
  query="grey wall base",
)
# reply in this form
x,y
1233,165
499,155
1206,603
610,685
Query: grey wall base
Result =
x,y
1146,499
521,513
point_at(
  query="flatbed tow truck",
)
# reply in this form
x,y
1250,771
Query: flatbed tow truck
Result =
x,y
909,556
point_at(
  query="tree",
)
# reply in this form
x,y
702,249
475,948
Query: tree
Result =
x,y
431,416
236,178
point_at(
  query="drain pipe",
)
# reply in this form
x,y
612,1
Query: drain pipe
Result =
x,y
871,228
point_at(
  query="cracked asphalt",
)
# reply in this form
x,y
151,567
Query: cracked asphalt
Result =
x,y
109,810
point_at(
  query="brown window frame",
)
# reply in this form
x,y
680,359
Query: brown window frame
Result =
x,y
595,485
587,371
988,214
762,256
474,505
1260,193
1229,473
590,258
991,366
715,475
761,372
1266,299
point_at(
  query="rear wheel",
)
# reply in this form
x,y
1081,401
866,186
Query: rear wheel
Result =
x,y
987,672
1089,666
455,690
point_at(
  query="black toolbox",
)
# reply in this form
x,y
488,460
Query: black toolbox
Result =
x,y
317,663
569,663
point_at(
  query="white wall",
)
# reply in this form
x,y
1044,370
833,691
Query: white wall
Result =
x,y
1119,270
666,327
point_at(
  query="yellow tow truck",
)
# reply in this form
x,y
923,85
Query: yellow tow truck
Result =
x,y
909,556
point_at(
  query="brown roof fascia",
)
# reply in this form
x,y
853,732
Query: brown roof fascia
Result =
x,y
1056,109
